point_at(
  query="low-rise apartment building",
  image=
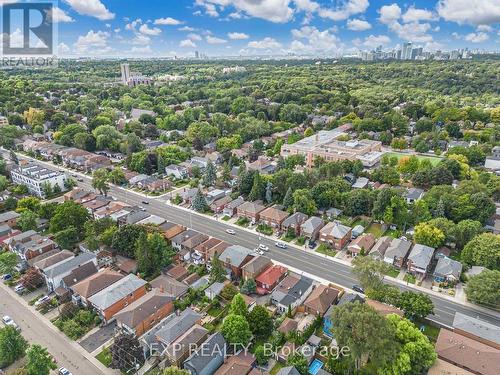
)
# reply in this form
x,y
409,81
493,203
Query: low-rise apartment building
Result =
x,y
36,178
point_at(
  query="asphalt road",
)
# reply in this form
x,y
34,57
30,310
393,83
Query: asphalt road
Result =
x,y
34,330
300,259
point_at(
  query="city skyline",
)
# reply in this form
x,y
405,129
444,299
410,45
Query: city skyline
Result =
x,y
109,28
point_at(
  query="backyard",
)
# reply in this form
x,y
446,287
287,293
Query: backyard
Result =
x,y
433,159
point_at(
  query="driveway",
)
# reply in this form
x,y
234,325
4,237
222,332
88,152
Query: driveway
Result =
x,y
98,338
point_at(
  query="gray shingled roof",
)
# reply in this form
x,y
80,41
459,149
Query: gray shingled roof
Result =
x,y
398,248
290,370
116,291
68,264
421,255
477,327
177,326
199,360
311,224
448,267
236,254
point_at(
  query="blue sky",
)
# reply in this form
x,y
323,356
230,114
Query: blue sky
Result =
x,y
255,27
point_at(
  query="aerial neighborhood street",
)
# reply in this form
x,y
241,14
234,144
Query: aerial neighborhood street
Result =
x,y
249,187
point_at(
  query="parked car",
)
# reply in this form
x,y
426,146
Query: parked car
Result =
x,y
8,321
64,371
230,231
260,252
145,202
42,301
79,179
358,289
281,245
312,244
19,289
263,247
6,277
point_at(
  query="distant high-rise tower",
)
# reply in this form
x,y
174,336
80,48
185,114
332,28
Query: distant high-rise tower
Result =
x,y
196,55
406,51
125,69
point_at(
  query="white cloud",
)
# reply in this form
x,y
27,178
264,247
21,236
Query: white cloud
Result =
x,y
373,41
187,43
413,31
168,21
59,16
143,50
314,42
416,15
485,28
347,9
145,29
278,11
194,36
186,28
477,37
389,13
141,39
266,43
93,8
133,25
63,49
214,40
306,5
358,25
238,36
474,12
92,42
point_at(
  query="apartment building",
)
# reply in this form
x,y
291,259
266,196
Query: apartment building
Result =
x,y
35,177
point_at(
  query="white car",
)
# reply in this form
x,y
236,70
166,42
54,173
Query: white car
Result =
x,y
260,252
8,321
230,231
64,371
281,245
42,301
19,288
263,247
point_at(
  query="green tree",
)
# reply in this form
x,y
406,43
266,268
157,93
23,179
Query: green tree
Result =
x,y
67,238
258,188
8,261
249,287
415,305
210,174
39,361
260,355
288,199
69,214
125,239
370,271
100,179
27,221
28,203
199,202
304,202
236,330
149,252
298,361
238,306
429,235
117,176
12,346
260,321
217,272
174,371
417,352
483,289
3,182
483,250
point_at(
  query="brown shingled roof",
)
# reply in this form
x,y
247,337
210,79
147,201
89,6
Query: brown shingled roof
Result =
x,y
97,282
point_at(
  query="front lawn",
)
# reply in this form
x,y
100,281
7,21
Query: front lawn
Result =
x,y
76,322
393,272
105,357
430,331
323,249
243,222
410,278
265,229
226,218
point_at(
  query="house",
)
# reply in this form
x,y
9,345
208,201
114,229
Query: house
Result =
x,y
214,290
344,299
7,232
288,325
320,300
361,245
419,259
173,327
179,350
294,222
151,220
357,231
178,172
441,367
291,292
230,208
240,364
250,210
202,252
54,274
136,113
255,267
333,213
179,239
269,279
335,235
467,353
447,269
78,274
215,194
169,285
477,329
29,244
93,284
170,230
273,217
154,184
218,205
378,250
263,165
191,242
396,252
141,315
311,227
117,296
199,363
50,258
9,218
382,308
178,272
360,183
235,257
413,194
188,195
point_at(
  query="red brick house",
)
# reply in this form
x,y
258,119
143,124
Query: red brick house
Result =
x,y
250,210
273,217
268,279
335,235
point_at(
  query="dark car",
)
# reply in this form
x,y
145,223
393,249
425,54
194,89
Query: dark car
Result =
x,y
145,202
358,289
312,244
